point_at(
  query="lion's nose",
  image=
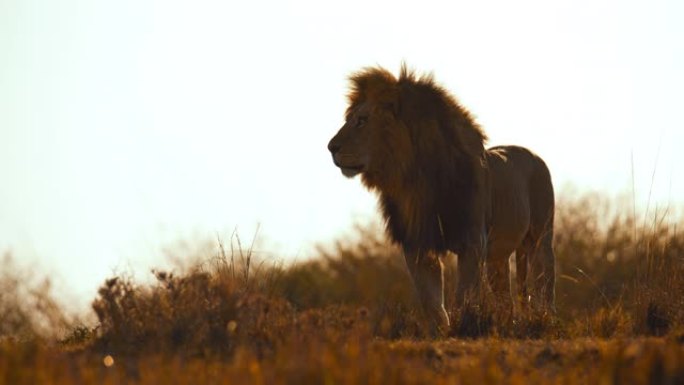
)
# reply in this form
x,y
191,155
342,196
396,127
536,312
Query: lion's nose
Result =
x,y
333,147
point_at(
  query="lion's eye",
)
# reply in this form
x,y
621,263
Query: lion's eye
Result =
x,y
361,121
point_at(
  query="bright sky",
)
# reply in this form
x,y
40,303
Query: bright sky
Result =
x,y
126,126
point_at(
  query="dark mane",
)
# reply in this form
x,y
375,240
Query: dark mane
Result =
x,y
430,203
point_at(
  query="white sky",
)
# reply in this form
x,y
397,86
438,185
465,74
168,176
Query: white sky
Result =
x,y
128,125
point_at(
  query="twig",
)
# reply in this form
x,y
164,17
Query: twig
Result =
x,y
605,298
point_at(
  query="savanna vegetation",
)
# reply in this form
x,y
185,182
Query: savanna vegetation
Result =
x,y
349,316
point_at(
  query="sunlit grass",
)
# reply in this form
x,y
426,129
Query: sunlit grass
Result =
x,y
350,316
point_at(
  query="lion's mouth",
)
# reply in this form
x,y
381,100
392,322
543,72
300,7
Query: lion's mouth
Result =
x,y
348,164
351,171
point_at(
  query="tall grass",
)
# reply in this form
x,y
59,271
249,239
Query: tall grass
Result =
x,y
614,265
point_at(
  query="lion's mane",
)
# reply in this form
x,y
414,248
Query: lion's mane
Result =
x,y
432,184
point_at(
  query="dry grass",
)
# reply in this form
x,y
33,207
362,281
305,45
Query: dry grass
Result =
x,y
350,317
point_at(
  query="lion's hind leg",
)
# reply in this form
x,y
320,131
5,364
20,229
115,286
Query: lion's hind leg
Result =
x,y
498,276
521,292
543,272
542,258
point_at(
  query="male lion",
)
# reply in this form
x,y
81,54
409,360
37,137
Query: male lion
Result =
x,y
441,191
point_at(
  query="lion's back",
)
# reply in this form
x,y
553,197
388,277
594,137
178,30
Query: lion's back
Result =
x,y
510,165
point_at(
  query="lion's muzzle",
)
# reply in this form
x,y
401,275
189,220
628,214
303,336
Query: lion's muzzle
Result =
x,y
345,161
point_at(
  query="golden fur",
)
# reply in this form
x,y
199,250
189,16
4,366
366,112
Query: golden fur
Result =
x,y
441,191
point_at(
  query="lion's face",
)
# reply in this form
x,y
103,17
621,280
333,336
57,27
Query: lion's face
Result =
x,y
351,146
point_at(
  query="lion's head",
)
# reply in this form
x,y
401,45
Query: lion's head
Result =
x,y
351,146
372,126
413,143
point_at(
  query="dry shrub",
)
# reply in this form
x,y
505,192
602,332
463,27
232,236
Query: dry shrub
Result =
x,y
28,307
198,313
209,311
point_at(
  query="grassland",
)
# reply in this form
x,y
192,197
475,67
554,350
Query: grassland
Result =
x,y
349,317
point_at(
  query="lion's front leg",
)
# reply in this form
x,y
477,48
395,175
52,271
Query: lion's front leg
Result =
x,y
470,269
427,272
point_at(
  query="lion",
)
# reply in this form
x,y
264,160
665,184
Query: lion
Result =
x,y
441,191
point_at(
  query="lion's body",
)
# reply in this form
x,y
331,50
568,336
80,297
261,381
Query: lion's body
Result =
x,y
441,191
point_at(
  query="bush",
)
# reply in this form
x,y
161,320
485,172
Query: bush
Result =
x,y
28,309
